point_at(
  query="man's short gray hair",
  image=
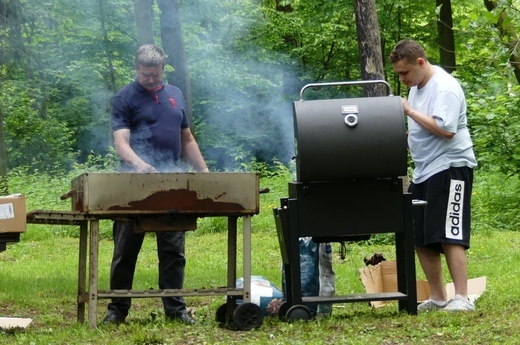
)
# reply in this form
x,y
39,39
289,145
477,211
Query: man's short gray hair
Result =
x,y
149,55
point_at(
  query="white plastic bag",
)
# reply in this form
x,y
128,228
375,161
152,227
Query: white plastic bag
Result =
x,y
327,277
262,292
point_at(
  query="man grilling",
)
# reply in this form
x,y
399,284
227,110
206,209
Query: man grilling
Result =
x,y
150,132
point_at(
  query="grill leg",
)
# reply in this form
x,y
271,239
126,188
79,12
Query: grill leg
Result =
x,y
247,258
93,273
231,266
293,283
232,251
82,270
406,260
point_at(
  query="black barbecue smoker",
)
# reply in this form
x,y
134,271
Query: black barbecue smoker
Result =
x,y
350,156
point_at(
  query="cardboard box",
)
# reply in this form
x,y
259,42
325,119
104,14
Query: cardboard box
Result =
x,y
13,322
12,214
476,288
383,278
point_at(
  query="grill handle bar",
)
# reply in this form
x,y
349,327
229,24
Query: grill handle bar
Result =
x,y
70,193
352,83
417,202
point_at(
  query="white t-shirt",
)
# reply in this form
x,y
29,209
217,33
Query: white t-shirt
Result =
x,y
443,99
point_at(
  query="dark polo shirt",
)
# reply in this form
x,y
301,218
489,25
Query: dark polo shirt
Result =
x,y
155,120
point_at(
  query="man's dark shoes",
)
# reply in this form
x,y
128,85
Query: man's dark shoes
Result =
x,y
113,318
185,318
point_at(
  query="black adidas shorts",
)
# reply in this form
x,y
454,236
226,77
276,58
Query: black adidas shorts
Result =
x,y
447,216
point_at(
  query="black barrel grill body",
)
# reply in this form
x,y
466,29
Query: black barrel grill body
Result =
x,y
350,154
330,148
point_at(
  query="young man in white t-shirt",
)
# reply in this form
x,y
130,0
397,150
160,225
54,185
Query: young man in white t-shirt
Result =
x,y
442,151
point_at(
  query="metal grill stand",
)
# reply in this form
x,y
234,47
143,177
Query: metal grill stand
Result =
x,y
245,316
345,211
8,237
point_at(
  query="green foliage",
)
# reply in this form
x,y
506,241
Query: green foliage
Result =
x,y
64,60
496,124
276,168
491,90
96,163
495,201
240,111
42,190
483,70
316,38
33,140
274,178
60,89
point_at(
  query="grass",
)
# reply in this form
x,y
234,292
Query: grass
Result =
x,y
38,280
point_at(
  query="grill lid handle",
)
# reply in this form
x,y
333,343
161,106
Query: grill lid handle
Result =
x,y
351,83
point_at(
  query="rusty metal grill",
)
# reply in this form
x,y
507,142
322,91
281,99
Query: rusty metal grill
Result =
x,y
199,194
156,202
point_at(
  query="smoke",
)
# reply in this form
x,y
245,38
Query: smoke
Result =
x,y
241,108
240,104
255,122
87,50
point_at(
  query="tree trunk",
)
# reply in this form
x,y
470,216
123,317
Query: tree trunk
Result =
x,y
173,45
446,38
144,21
110,78
4,190
369,41
41,103
506,29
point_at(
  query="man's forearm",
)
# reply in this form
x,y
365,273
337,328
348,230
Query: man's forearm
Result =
x,y
429,123
194,157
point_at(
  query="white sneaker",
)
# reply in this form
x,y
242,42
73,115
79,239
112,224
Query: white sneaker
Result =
x,y
459,303
430,305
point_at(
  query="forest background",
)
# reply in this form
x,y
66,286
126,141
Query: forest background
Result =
x,y
241,65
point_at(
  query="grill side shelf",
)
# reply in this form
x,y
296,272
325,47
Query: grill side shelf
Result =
x,y
57,217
